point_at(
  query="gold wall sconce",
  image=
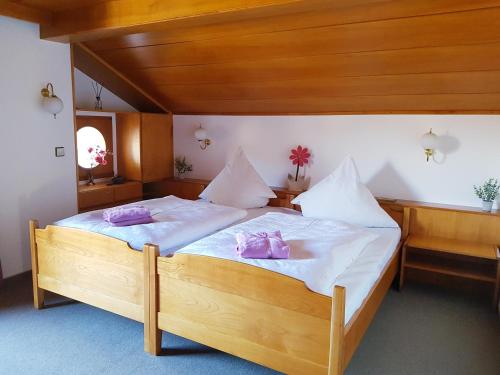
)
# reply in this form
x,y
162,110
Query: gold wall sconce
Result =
x,y
429,142
50,102
201,136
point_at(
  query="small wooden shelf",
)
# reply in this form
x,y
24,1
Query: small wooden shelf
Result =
x,y
453,246
452,257
449,271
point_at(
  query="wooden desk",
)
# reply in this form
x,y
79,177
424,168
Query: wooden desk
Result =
x,y
101,195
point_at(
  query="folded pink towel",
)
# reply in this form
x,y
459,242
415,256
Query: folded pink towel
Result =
x,y
127,215
262,245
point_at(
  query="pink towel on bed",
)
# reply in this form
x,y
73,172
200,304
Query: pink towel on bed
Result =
x,y
262,245
127,215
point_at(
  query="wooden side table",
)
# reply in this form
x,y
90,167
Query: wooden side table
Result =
x,y
438,248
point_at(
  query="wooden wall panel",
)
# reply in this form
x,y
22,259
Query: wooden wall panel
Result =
x,y
429,103
407,84
341,12
405,61
475,27
295,56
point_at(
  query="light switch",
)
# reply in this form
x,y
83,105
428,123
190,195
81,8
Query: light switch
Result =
x,y
59,152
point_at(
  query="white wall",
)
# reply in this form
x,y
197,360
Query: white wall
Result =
x,y
85,97
33,182
386,149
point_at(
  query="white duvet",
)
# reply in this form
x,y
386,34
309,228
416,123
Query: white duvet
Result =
x,y
177,223
321,250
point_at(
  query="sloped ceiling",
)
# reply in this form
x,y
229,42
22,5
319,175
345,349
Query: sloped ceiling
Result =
x,y
405,56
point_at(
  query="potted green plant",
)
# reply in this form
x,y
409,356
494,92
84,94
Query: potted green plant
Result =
x,y
182,166
488,192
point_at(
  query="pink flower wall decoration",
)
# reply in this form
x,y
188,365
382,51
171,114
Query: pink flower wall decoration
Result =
x,y
299,157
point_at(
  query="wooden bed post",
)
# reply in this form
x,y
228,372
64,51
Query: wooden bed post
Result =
x,y
404,236
336,365
152,335
38,293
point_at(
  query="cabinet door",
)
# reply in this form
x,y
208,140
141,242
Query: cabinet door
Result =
x,y
128,191
128,142
157,147
95,197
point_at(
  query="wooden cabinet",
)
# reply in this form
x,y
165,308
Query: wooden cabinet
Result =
x,y
145,146
102,195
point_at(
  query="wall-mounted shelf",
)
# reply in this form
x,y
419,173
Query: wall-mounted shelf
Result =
x,y
457,252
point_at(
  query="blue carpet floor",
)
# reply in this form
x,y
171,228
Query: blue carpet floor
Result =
x,y
421,331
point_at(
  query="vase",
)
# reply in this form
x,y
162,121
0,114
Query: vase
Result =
x,y
300,185
487,206
91,178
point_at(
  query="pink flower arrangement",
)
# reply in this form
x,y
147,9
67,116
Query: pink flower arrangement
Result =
x,y
97,156
299,157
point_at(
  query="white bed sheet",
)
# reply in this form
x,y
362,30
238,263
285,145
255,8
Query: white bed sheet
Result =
x,y
178,222
321,250
373,250
360,277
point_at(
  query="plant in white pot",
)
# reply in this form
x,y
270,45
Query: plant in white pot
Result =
x,y
182,166
488,192
299,157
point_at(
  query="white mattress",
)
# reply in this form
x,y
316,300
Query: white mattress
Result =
x,y
177,223
358,258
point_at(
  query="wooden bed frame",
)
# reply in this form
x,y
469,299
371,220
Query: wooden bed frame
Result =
x,y
260,315
92,268
256,314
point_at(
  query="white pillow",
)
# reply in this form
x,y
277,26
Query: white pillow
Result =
x,y
342,196
238,185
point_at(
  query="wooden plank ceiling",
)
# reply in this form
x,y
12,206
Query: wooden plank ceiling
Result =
x,y
299,57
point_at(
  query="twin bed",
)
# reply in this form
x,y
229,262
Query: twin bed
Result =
x,y
303,315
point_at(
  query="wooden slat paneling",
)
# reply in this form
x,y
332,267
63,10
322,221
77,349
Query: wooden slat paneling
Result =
x,y
118,17
24,12
475,27
417,56
340,13
407,84
405,61
450,103
97,69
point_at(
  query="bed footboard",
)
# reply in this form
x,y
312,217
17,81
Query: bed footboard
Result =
x,y
88,267
259,315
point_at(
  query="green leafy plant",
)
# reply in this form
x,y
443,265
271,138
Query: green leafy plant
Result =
x,y
182,166
488,192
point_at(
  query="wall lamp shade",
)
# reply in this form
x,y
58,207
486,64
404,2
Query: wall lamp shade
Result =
x,y
429,142
201,136
50,102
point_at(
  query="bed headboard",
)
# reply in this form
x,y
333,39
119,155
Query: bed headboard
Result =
x,y
285,198
190,189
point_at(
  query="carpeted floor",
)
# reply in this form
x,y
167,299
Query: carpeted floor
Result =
x,y
421,331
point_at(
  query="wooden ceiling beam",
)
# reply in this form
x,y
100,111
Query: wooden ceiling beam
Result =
x,y
119,17
25,13
92,65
